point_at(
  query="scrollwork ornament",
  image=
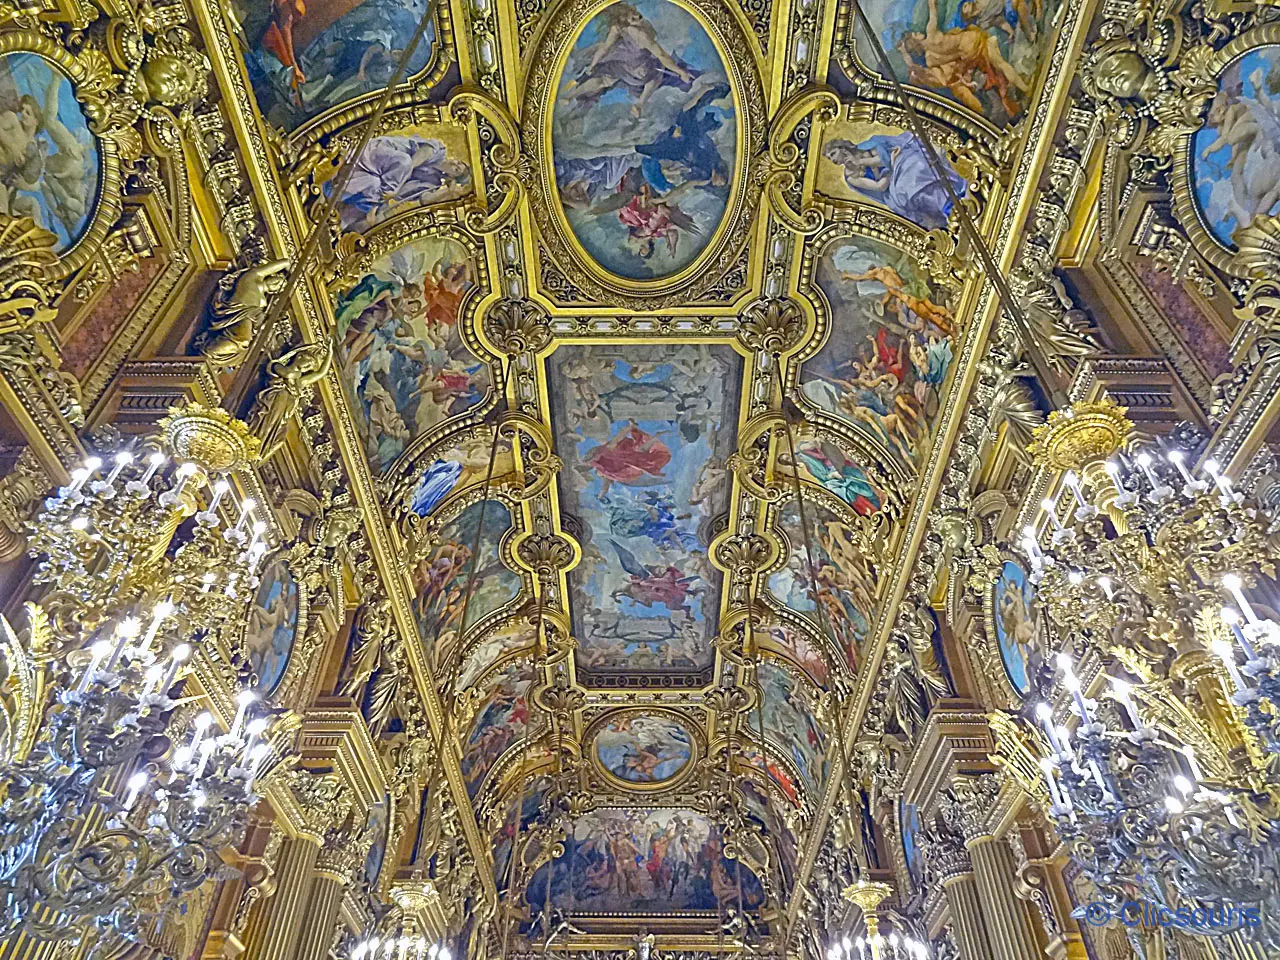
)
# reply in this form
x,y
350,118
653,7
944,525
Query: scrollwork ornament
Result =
x,y
517,326
506,161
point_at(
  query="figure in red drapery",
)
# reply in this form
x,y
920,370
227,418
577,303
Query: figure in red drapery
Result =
x,y
628,458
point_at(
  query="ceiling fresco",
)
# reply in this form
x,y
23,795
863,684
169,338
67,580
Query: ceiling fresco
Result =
x,y
644,139
644,433
646,334
637,861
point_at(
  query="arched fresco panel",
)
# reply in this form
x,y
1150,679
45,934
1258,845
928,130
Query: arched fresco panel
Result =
x,y
835,587
416,166
401,350
304,58
889,347
644,861
452,568
790,723
888,166
983,54
502,717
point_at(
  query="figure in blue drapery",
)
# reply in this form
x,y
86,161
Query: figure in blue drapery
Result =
x,y
895,170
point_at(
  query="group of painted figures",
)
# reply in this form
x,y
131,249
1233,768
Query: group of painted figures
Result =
x,y
644,139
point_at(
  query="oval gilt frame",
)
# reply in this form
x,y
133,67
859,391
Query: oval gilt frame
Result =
x,y
1185,204
618,783
110,183
549,56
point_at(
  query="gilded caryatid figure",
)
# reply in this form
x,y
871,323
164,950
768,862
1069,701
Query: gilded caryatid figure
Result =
x,y
288,378
238,308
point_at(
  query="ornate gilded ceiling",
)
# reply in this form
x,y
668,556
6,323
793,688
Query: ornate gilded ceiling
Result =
x,y
648,323
636,340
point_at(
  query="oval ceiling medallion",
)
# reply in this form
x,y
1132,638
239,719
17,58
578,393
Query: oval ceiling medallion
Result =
x,y
643,749
51,171
642,125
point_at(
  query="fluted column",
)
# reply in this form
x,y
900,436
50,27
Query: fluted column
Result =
x,y
334,869
965,811
946,865
274,930
1007,919
965,910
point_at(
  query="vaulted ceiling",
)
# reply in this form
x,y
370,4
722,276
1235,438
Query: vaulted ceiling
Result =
x,y
651,320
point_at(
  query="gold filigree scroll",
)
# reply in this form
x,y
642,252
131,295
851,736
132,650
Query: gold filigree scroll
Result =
x,y
784,155
506,158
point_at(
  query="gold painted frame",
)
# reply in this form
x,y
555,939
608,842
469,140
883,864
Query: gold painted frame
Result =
x,y
550,53
1186,206
84,73
294,664
697,749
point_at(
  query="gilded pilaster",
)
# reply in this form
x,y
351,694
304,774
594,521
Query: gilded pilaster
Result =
x,y
947,864
276,930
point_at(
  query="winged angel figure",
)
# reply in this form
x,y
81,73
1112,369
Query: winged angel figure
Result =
x,y
658,583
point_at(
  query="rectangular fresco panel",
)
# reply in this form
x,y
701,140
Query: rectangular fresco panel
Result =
x,y
644,861
304,58
644,432
984,54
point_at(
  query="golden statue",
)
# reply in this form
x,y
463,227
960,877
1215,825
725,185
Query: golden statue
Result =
x,y
288,377
238,307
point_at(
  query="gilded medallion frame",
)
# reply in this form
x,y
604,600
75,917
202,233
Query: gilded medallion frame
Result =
x,y
550,54
91,94
1186,206
697,749
293,665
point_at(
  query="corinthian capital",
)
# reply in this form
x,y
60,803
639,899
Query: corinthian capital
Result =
x,y
944,855
967,807
321,801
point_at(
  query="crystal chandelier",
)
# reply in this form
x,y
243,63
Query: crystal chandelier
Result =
x,y
115,812
1147,791
398,946
874,945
